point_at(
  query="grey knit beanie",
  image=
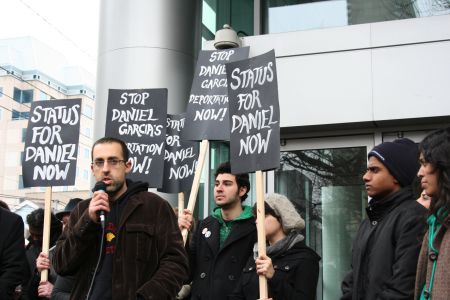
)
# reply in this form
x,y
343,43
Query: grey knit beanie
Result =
x,y
283,207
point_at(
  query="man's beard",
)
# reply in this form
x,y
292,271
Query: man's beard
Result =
x,y
112,190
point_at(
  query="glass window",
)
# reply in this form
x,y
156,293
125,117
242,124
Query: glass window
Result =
x,y
43,96
87,111
237,13
23,96
21,182
1,113
85,174
87,131
20,115
24,134
86,152
326,187
1,91
292,15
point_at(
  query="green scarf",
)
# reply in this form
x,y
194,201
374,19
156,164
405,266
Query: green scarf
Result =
x,y
433,228
225,226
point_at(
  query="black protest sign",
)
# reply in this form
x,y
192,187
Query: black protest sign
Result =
x,y
138,117
180,158
207,110
51,143
254,114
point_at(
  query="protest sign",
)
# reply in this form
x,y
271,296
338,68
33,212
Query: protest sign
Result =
x,y
138,117
51,143
180,157
254,114
207,110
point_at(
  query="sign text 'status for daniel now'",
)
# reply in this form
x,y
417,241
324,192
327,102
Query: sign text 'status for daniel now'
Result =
x,y
51,143
207,111
180,158
138,118
254,114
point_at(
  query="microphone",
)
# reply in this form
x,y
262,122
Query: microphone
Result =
x,y
100,186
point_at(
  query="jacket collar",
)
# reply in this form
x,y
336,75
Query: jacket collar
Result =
x,y
378,208
240,229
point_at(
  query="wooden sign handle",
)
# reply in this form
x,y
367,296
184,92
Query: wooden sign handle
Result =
x,y
196,182
46,229
260,217
180,203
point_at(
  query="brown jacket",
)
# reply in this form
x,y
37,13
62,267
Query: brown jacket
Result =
x,y
441,284
149,261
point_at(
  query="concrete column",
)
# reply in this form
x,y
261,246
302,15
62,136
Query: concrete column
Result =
x,y
147,44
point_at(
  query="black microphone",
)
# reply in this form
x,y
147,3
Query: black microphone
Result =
x,y
100,186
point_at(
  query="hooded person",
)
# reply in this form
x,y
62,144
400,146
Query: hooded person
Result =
x,y
35,221
387,244
291,267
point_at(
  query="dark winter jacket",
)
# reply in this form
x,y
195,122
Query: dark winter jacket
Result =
x,y
62,288
149,260
296,275
215,270
386,248
12,253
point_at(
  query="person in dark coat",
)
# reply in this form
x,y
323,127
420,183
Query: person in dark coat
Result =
x,y
12,253
35,289
291,267
387,244
139,252
433,267
221,243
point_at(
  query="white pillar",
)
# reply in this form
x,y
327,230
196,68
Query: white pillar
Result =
x,y
146,44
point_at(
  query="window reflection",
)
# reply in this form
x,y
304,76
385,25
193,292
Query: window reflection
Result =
x,y
327,189
293,15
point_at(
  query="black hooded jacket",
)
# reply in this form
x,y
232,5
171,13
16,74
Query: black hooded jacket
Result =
x,y
386,248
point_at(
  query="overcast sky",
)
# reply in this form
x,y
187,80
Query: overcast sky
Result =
x,y
68,26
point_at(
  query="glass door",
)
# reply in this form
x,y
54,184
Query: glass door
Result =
x,y
323,178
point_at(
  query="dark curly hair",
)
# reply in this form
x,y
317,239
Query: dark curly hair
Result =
x,y
242,180
435,149
35,221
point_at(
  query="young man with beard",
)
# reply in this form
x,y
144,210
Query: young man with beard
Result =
x,y
141,249
222,242
386,247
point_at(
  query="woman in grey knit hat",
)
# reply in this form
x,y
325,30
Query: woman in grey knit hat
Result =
x,y
291,267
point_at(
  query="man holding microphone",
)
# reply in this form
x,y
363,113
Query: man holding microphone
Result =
x,y
139,253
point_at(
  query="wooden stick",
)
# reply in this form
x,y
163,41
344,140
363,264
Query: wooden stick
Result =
x,y
260,217
46,229
196,182
180,203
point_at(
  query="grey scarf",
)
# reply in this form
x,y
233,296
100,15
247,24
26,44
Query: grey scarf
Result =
x,y
281,246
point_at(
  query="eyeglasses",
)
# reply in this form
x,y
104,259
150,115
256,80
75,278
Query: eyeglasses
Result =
x,y
111,162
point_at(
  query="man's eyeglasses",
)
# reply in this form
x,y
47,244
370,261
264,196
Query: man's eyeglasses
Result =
x,y
111,162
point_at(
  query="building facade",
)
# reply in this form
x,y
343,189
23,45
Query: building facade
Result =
x,y
31,71
351,74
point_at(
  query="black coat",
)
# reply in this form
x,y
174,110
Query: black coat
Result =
x,y
296,275
215,270
149,259
386,249
12,253
62,288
